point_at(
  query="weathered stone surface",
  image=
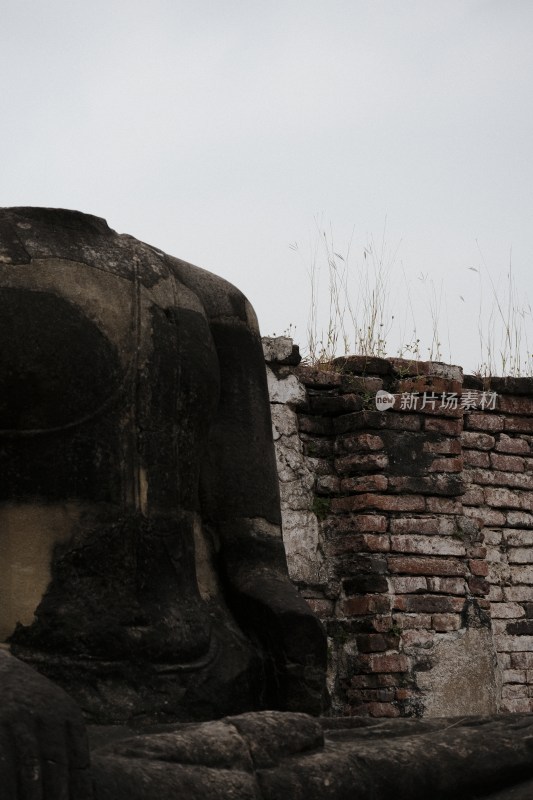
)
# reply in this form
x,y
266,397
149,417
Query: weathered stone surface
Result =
x,y
279,349
285,389
134,410
280,757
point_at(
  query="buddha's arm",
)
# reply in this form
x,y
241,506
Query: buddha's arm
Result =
x,y
240,498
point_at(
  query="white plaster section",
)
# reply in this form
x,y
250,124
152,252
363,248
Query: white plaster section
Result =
x,y
28,534
301,533
285,388
276,348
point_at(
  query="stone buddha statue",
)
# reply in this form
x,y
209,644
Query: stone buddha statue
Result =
x,y
141,560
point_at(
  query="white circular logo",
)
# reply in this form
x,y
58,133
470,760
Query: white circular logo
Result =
x,y
384,400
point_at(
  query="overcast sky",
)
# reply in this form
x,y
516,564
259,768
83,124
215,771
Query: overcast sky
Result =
x,y
220,130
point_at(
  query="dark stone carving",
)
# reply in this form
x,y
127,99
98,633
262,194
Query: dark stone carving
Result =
x,y
132,387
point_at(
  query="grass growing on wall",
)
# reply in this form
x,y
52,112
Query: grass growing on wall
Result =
x,y
361,308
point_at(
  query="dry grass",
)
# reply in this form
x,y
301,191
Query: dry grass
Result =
x,y
350,310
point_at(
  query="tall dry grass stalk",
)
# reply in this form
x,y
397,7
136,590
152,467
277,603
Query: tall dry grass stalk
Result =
x,y
503,334
356,306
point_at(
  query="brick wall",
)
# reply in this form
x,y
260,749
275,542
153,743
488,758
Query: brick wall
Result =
x,y
410,530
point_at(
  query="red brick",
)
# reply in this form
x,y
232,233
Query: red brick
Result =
x,y
483,422
485,516
517,480
443,525
415,565
441,505
371,695
522,661
372,642
405,694
364,483
372,523
475,458
417,638
446,622
514,405
334,405
512,444
446,465
389,420
443,446
408,366
503,498
450,427
364,681
429,604
473,496
366,604
359,443
408,584
361,463
316,376
518,424
353,383
507,463
384,662
408,621
323,426
478,586
429,384
359,542
478,441
363,564
443,585
382,623
480,568
428,545
519,519
448,484
363,365
381,502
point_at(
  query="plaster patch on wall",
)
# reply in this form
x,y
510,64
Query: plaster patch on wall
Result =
x,y
301,534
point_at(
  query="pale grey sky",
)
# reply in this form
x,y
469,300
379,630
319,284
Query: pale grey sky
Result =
x,y
219,130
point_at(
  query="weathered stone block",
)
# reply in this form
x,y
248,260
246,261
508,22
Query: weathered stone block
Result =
x,y
428,545
483,422
429,604
422,524
513,444
347,465
415,565
478,441
506,462
446,622
449,427
476,458
365,483
408,584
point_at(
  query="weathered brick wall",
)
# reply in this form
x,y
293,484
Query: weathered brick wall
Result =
x,y
410,530
498,474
